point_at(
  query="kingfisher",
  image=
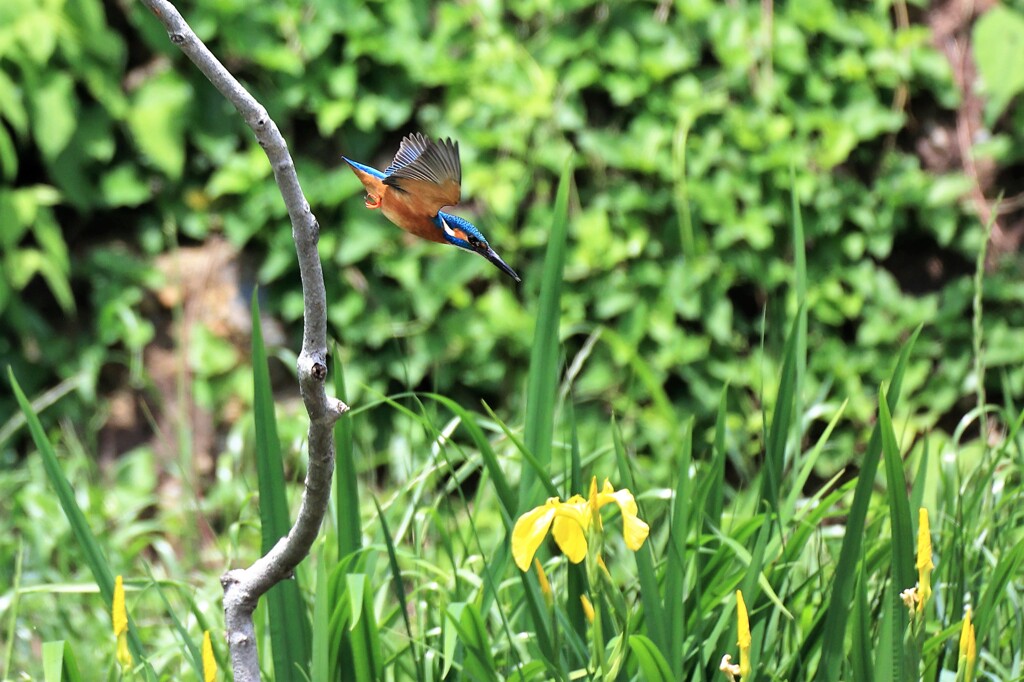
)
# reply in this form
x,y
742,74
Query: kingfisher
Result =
x,y
424,177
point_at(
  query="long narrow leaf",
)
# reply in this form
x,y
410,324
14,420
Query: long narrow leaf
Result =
x,y
675,596
320,659
94,556
399,585
658,627
59,664
837,613
778,434
506,496
290,634
543,375
346,489
902,539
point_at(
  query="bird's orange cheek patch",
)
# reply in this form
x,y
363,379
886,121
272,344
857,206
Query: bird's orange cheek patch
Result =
x,y
459,234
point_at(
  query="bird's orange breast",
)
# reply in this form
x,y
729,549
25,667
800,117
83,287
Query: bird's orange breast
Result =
x,y
407,217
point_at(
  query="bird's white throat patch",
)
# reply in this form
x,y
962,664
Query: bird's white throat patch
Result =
x,y
447,228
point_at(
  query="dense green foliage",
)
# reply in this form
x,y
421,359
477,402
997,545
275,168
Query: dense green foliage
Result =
x,y
690,126
692,130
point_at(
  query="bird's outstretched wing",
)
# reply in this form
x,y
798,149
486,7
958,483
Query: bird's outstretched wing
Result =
x,y
428,172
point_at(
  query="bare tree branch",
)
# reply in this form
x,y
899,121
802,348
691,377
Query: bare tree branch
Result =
x,y
244,587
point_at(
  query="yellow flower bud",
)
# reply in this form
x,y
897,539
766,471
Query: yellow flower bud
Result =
x,y
209,662
588,608
744,639
924,559
120,617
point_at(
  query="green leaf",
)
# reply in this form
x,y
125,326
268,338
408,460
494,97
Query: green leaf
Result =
x,y
124,186
838,609
653,666
289,622
367,657
655,613
346,484
55,113
998,44
903,575
94,555
477,662
676,562
59,663
543,375
399,584
502,487
157,120
319,668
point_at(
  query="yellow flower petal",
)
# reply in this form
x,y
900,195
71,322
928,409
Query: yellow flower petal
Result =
x,y
530,530
588,608
572,519
209,662
542,579
634,531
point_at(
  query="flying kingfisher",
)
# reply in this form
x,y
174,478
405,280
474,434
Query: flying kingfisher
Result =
x,y
424,177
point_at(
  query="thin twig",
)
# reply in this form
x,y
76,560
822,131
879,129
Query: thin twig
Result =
x,y
244,587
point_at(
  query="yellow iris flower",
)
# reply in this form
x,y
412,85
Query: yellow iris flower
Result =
x,y
571,521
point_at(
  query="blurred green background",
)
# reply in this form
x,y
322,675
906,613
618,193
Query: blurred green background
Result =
x,y
137,214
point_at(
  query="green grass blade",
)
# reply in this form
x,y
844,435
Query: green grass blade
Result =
x,y
576,574
477,662
506,495
543,374
290,634
398,584
15,602
899,504
997,587
800,285
346,488
716,474
778,433
902,553
838,609
94,556
887,660
653,665
194,654
320,663
675,596
658,627
59,664
366,651
861,656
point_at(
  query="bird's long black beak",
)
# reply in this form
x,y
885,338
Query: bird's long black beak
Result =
x,y
500,264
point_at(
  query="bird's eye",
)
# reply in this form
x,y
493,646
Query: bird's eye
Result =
x,y
473,241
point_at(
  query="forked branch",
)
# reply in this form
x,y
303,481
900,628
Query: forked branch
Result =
x,y
244,587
